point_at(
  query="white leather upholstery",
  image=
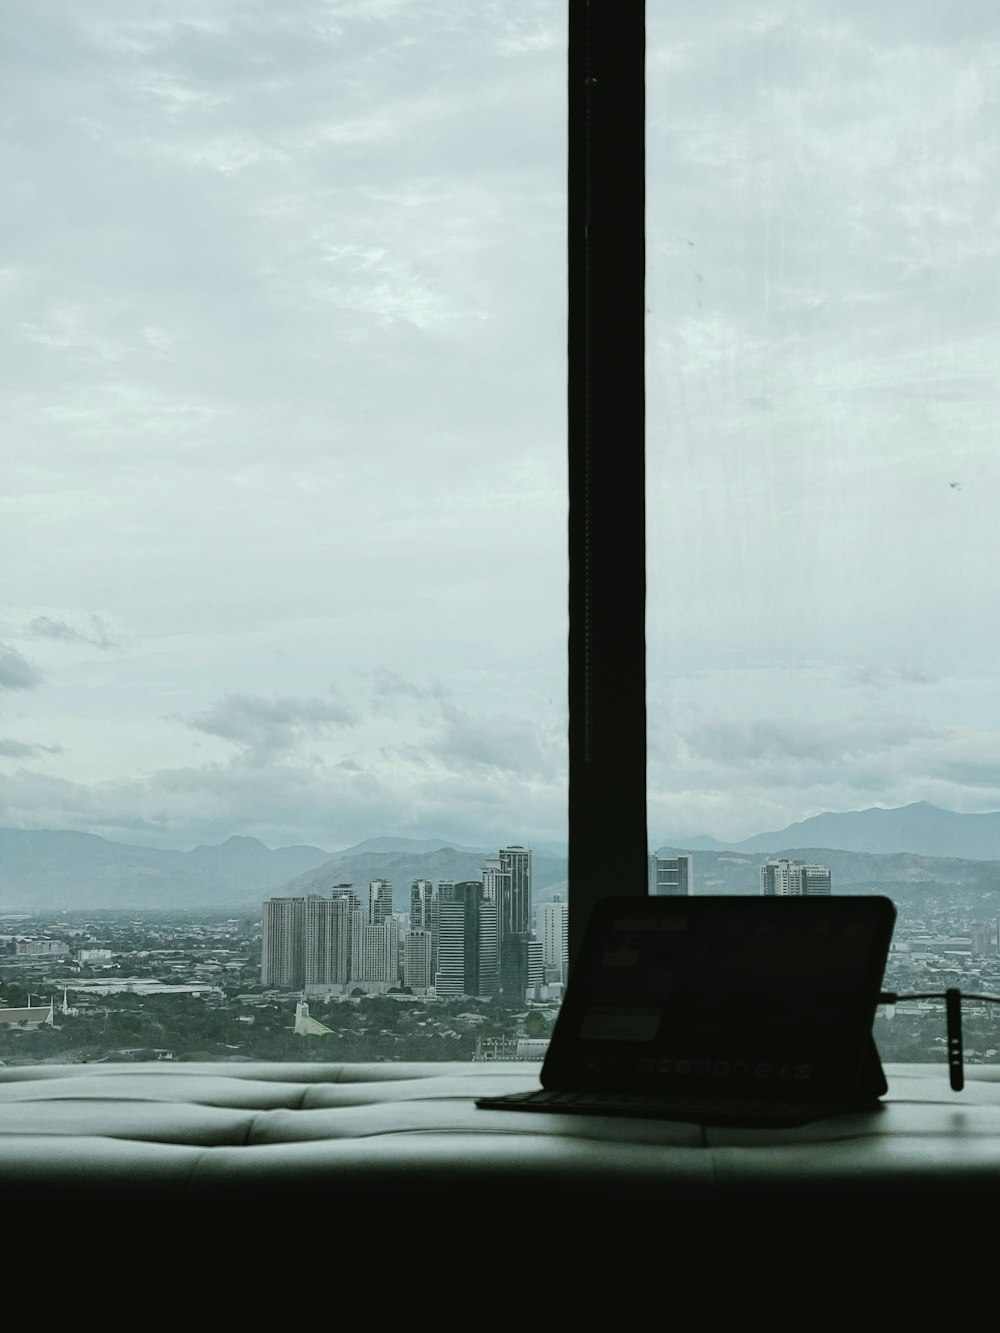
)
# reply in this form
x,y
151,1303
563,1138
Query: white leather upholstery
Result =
x,y
371,1143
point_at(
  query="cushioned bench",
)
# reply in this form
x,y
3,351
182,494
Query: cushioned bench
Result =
x,y
208,1132
364,1145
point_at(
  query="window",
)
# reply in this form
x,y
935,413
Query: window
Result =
x,y
284,477
286,493
821,461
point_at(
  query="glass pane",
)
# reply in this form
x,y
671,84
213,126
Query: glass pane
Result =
x,y
283,538
822,343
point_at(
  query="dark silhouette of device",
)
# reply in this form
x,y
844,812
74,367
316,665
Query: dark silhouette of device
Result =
x,y
737,1010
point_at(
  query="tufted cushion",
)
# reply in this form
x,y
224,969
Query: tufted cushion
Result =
x,y
210,1128
205,1166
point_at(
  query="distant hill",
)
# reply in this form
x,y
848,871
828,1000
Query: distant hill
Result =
x,y
56,868
399,845
924,829
896,875
867,851
62,869
548,873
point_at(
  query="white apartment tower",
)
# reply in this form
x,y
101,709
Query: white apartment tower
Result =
x,y
553,927
784,878
327,941
418,972
282,950
375,950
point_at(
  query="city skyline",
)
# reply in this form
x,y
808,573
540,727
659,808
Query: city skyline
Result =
x,y
467,937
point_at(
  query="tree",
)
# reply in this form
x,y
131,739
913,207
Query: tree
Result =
x,y
535,1025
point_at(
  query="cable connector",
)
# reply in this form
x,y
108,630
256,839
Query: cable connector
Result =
x,y
953,1017
953,1011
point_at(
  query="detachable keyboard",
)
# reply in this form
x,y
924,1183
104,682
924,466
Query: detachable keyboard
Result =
x,y
720,1110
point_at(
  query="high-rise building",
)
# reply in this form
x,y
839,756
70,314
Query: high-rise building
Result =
x,y
375,950
282,951
670,876
418,973
328,940
514,903
514,968
489,948
784,878
507,882
422,904
535,967
379,902
553,927
458,938
423,914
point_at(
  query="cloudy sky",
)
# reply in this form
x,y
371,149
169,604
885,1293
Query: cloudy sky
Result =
x,y
824,375
283,500
282,514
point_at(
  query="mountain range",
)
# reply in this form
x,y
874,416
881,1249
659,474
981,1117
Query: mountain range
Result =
x,y
55,869
923,829
548,873
866,850
47,868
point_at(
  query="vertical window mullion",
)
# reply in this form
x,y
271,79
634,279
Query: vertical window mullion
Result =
x,y
606,271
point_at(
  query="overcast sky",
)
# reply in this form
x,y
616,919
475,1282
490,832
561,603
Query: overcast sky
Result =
x,y
282,549
283,514
824,377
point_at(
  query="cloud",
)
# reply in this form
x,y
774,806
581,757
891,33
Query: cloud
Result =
x,y
467,743
764,741
287,802
268,727
389,688
889,677
98,632
16,672
506,744
11,749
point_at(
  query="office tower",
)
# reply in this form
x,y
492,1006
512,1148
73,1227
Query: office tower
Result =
x,y
489,949
328,940
553,927
379,902
418,973
513,968
515,901
282,951
783,878
375,950
670,876
507,882
458,938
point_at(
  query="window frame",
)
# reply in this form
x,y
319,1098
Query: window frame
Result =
x,y
606,447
